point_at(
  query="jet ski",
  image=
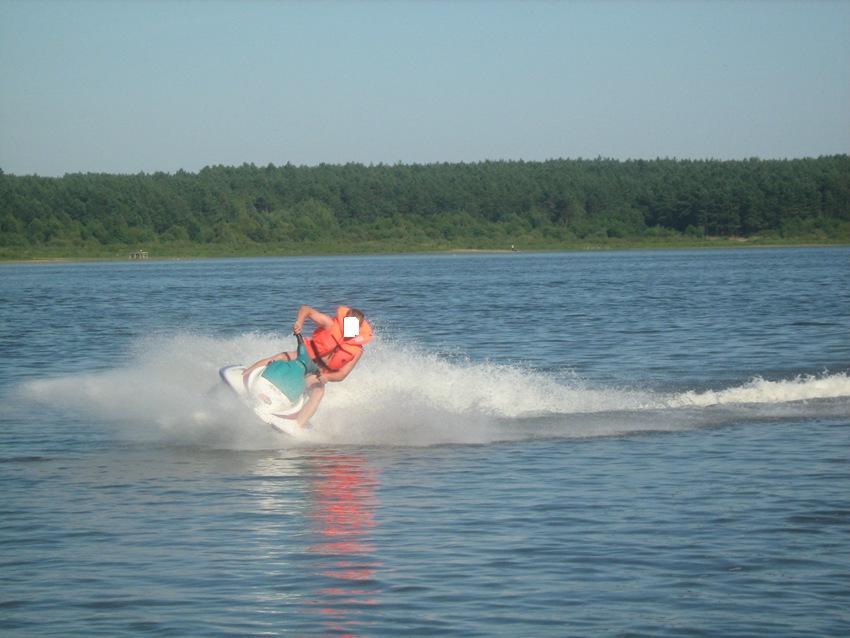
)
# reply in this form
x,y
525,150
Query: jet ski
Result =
x,y
276,392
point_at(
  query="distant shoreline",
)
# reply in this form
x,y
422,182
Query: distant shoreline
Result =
x,y
485,206
175,254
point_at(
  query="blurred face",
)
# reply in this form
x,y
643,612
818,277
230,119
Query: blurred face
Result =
x,y
350,327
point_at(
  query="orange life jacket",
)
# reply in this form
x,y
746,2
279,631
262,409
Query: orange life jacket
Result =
x,y
330,350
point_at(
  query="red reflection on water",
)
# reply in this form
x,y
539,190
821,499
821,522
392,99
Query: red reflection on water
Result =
x,y
343,514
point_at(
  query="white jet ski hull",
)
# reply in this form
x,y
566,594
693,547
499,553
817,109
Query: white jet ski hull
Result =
x,y
269,403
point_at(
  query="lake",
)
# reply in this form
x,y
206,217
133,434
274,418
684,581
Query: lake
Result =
x,y
625,443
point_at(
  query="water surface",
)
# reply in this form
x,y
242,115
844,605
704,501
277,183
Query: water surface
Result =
x,y
635,443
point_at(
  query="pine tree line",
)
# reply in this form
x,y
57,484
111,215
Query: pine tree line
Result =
x,y
557,200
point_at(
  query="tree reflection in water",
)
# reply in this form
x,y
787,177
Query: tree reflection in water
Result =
x,y
342,512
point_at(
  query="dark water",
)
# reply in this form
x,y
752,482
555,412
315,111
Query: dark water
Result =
x,y
546,445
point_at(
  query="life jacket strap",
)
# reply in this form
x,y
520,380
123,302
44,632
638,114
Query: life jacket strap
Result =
x,y
317,358
321,359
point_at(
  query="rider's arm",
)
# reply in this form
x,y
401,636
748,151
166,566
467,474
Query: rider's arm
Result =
x,y
306,312
340,374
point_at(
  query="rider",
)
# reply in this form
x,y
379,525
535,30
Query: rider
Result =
x,y
333,350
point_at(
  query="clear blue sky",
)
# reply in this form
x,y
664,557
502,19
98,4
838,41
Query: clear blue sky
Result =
x,y
122,86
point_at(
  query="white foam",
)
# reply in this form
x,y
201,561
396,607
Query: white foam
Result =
x,y
170,392
758,390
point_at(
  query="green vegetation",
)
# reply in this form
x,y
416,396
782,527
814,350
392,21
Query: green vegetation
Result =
x,y
556,204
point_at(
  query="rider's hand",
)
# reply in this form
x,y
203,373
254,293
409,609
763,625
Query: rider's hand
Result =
x,y
296,328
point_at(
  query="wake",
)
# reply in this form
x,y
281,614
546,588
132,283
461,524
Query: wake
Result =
x,y
402,396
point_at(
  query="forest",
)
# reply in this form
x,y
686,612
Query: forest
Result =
x,y
561,203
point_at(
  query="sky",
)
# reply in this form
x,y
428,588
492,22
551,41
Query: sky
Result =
x,y
124,87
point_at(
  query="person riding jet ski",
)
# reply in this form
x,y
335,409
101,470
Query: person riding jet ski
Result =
x,y
329,355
